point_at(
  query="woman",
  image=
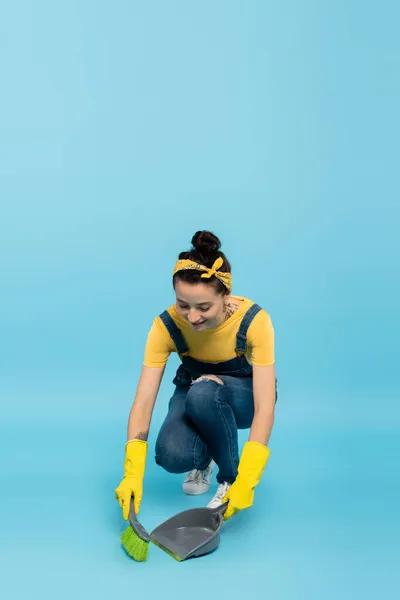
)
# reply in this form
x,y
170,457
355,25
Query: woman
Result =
x,y
226,382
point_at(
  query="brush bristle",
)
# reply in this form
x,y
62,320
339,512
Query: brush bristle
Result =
x,y
134,545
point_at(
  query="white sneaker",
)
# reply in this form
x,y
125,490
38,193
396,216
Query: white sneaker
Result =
x,y
198,482
219,496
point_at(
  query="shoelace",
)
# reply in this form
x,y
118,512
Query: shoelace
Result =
x,y
196,475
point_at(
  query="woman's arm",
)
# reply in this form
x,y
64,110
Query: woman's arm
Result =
x,y
264,403
143,404
255,453
138,431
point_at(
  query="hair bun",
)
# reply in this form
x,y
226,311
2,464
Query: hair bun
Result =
x,y
206,242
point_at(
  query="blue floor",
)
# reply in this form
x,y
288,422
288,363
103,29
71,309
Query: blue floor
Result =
x,y
325,523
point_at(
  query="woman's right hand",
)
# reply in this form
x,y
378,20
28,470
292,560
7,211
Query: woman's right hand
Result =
x,y
132,483
129,486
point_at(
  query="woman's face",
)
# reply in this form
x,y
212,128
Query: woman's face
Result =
x,y
200,305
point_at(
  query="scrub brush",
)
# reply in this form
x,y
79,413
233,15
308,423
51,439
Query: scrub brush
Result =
x,y
135,538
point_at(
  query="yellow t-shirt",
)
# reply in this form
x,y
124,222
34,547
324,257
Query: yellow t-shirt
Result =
x,y
214,345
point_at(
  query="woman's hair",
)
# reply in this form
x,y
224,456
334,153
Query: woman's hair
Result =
x,y
205,250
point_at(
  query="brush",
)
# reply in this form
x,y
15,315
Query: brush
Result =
x,y
135,538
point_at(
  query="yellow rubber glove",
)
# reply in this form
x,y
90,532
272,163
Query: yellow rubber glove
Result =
x,y
252,463
132,483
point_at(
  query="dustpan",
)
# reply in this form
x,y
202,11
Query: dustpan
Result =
x,y
191,533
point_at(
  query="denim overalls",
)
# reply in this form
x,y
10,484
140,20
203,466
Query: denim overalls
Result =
x,y
192,369
204,416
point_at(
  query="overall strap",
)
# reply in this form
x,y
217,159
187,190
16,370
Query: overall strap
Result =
x,y
175,333
244,325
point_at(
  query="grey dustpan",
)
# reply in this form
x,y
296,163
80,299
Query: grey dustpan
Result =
x,y
191,533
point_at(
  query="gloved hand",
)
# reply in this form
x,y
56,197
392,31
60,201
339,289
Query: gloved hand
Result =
x,y
132,483
252,463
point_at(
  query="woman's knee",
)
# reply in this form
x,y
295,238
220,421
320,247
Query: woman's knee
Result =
x,y
208,378
202,394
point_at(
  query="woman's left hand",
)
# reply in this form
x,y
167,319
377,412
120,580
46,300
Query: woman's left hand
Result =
x,y
251,467
240,496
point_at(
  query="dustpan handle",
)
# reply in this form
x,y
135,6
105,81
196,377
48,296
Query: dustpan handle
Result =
x,y
220,510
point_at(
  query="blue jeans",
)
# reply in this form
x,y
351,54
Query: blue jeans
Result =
x,y
202,423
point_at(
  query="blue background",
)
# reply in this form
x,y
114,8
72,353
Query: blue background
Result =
x,y
125,128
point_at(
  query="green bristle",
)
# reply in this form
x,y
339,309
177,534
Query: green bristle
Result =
x,y
175,556
134,545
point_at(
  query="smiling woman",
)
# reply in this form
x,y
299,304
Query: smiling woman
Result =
x,y
226,381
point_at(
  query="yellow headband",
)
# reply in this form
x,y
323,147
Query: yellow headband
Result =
x,y
225,278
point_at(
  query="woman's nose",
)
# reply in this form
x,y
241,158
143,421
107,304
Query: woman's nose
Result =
x,y
193,317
